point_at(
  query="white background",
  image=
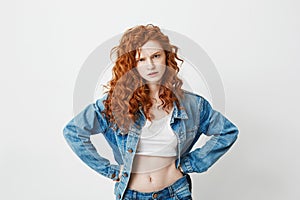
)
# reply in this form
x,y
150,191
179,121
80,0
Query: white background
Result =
x,y
253,44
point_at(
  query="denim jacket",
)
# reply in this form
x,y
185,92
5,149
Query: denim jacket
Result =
x,y
197,117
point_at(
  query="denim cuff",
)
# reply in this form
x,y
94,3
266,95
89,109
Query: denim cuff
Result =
x,y
113,172
186,165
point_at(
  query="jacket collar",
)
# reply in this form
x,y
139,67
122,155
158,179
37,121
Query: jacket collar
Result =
x,y
177,113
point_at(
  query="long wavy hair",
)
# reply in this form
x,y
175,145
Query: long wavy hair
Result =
x,y
127,90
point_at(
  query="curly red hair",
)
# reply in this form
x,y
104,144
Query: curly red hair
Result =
x,y
127,91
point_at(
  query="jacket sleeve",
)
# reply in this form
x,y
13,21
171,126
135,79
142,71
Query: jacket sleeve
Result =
x,y
224,133
77,133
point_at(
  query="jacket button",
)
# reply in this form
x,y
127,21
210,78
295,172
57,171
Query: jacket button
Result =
x,y
113,175
130,150
119,196
125,174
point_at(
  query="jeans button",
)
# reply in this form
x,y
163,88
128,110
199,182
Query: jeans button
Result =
x,y
154,195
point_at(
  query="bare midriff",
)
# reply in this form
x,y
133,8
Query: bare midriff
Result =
x,y
153,173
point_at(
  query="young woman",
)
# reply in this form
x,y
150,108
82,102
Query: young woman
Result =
x,y
150,122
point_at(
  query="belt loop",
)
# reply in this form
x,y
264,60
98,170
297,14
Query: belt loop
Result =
x,y
134,196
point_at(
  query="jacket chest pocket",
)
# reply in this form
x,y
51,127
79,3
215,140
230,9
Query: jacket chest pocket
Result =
x,y
187,144
191,133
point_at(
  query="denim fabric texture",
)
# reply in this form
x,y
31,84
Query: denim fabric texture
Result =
x,y
197,118
177,191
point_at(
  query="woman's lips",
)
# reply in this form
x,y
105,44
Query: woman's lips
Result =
x,y
152,73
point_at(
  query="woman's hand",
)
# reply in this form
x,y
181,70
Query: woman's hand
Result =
x,y
120,174
179,169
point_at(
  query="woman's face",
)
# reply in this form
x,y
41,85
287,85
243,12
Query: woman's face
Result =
x,y
151,63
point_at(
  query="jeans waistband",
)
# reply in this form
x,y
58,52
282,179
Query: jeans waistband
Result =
x,y
166,192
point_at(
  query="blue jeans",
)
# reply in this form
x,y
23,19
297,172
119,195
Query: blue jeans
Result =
x,y
180,190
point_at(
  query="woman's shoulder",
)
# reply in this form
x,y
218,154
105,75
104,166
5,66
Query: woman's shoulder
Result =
x,y
192,96
100,100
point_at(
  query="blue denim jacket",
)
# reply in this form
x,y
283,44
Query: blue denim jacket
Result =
x,y
197,117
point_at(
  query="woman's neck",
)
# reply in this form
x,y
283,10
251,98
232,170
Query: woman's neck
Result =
x,y
154,88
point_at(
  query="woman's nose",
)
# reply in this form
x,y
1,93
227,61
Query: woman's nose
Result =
x,y
150,64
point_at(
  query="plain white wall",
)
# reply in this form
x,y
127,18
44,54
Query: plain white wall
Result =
x,y
254,45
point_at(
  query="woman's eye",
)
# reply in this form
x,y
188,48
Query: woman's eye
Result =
x,y
156,56
141,60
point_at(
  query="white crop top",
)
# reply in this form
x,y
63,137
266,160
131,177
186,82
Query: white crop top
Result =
x,y
157,138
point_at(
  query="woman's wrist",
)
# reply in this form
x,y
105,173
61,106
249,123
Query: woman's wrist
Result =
x,y
179,167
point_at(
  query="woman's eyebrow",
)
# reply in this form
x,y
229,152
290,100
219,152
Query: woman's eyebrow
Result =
x,y
151,54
